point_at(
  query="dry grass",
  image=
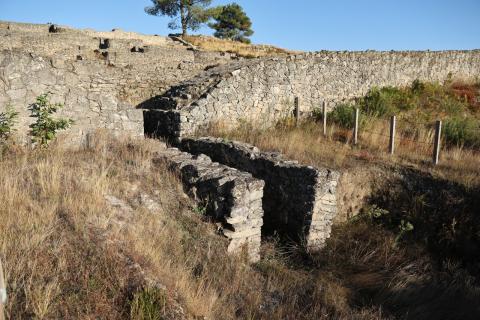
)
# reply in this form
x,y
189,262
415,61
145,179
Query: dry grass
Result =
x,y
307,144
242,49
372,264
70,251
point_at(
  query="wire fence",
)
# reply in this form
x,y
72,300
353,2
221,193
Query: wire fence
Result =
x,y
424,138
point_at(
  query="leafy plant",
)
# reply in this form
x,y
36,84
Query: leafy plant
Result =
x,y
375,212
381,102
148,304
342,115
404,227
45,128
401,226
7,121
463,131
201,210
417,86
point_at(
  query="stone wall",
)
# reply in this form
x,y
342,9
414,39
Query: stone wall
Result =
x,y
101,77
229,196
87,92
299,201
263,90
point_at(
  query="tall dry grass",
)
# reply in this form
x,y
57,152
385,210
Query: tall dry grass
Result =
x,y
55,265
83,233
100,233
307,144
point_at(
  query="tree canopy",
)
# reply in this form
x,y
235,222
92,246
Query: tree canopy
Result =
x,y
232,23
186,14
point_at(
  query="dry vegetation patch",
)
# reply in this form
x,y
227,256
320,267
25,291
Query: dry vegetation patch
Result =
x,y
101,233
242,49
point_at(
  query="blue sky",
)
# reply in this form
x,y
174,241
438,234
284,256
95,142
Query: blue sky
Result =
x,y
299,24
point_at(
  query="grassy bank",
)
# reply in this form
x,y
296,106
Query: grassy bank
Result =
x,y
100,233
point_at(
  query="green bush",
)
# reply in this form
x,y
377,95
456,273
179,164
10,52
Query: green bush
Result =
x,y
343,115
148,304
7,121
417,87
386,101
462,131
45,127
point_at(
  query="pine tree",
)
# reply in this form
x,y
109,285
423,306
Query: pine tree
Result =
x,y
232,23
192,13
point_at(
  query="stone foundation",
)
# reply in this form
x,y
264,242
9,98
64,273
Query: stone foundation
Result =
x,y
229,196
299,201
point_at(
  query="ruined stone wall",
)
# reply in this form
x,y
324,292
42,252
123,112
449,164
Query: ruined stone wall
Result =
x,y
102,78
299,201
264,90
229,196
87,92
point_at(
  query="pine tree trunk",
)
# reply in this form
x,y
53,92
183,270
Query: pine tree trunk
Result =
x,y
183,18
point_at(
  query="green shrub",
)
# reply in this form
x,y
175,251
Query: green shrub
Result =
x,y
462,131
343,115
7,121
148,304
45,128
386,101
417,87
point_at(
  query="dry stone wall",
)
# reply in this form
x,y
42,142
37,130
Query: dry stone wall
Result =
x,y
86,91
231,197
263,90
101,77
299,201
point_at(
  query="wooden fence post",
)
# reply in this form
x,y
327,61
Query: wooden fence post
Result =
x,y
393,121
3,292
296,111
324,112
436,142
355,128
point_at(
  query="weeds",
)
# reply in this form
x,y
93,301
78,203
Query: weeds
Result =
x,y
148,304
7,122
462,132
45,127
